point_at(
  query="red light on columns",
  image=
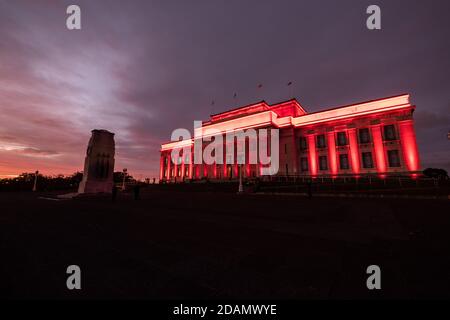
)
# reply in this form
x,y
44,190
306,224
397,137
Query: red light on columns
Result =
x,y
225,165
236,170
175,171
182,166
409,145
191,164
354,152
312,155
332,153
161,167
205,170
169,164
379,148
247,158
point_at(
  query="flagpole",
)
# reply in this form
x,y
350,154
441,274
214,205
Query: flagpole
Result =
x,y
259,92
291,91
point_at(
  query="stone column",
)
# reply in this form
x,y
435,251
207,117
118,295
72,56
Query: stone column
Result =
x,y
331,142
191,163
354,150
409,144
378,146
182,165
169,164
312,154
294,152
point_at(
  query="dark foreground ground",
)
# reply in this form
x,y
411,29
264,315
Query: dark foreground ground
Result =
x,y
218,245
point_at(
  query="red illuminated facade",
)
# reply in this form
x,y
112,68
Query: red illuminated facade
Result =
x,y
373,137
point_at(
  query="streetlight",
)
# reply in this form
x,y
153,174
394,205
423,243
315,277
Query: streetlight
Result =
x,y
35,181
124,176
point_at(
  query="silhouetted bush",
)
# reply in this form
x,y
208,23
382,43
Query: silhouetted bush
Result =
x,y
25,181
440,174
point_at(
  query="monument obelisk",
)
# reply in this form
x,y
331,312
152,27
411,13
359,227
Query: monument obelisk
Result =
x,y
99,163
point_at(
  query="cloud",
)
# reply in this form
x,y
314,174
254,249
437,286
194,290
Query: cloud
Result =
x,y
142,68
37,152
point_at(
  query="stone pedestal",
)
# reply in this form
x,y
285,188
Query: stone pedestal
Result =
x,y
99,163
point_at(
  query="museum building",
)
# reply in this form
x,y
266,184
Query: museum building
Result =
x,y
373,137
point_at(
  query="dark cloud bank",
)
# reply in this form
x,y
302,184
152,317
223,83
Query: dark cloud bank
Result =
x,y
143,68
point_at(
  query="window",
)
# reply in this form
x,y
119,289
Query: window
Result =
x,y
323,164
302,143
389,132
287,169
343,161
304,164
394,158
367,160
320,141
341,139
364,135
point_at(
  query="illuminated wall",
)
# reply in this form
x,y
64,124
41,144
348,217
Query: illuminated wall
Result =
x,y
374,137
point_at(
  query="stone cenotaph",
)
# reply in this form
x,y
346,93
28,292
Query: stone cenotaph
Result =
x,y
99,163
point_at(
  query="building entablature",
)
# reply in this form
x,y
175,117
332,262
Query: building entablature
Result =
x,y
261,115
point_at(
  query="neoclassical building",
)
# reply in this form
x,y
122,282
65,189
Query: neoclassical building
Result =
x,y
373,137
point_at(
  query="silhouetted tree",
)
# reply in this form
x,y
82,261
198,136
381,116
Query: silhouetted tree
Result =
x,y
24,182
435,173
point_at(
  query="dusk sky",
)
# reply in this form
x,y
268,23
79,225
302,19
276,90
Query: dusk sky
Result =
x,y
143,68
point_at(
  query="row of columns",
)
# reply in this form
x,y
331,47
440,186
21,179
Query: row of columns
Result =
x,y
195,169
407,141
353,153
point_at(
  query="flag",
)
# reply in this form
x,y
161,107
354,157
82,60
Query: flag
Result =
x,y
260,86
289,83
235,95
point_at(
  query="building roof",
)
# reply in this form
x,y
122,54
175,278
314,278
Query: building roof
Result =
x,y
290,113
289,107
